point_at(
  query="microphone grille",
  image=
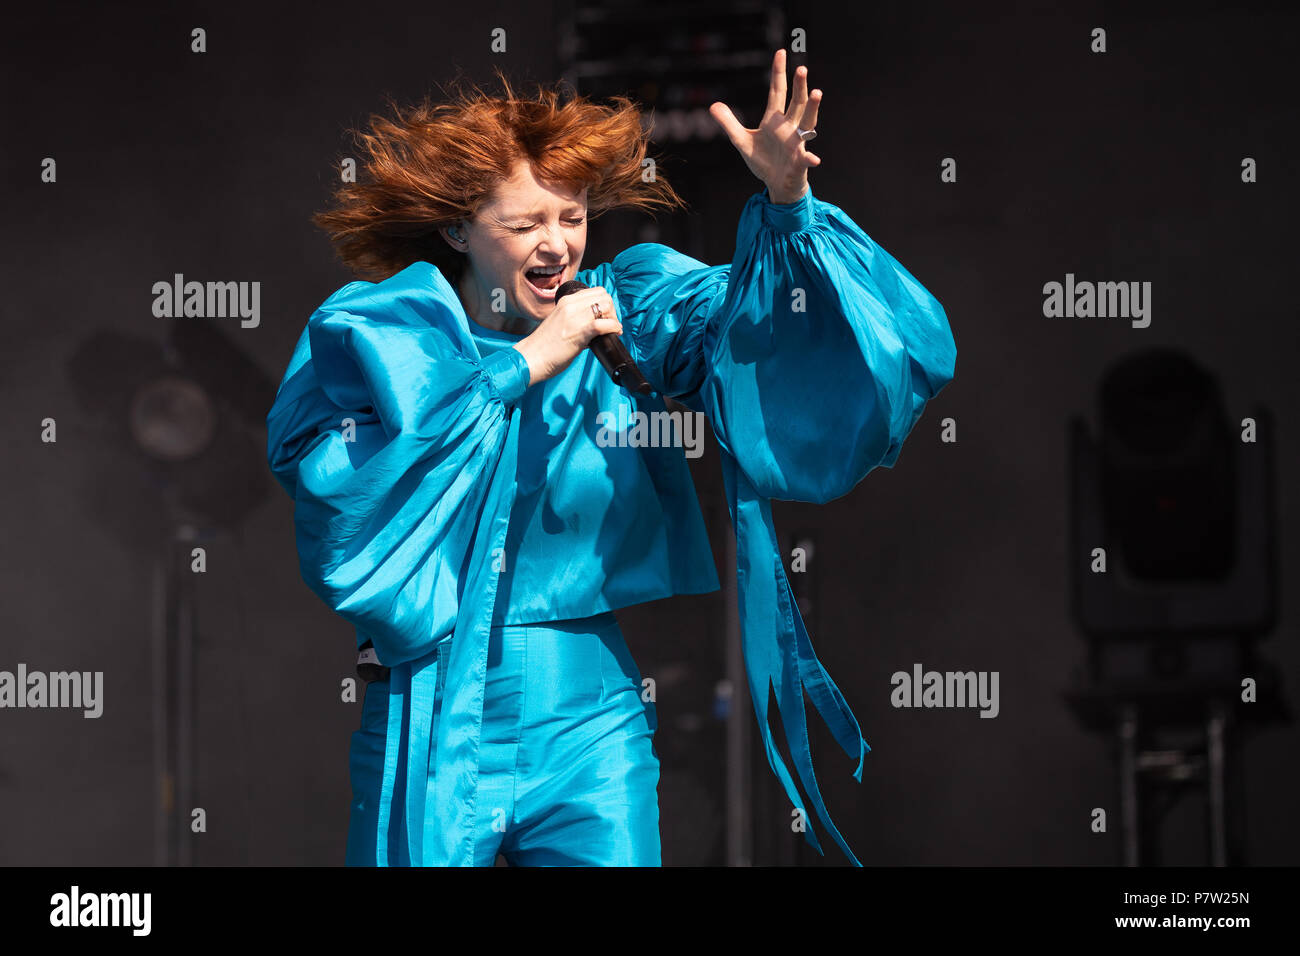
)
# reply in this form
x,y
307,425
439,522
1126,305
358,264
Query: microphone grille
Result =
x,y
573,285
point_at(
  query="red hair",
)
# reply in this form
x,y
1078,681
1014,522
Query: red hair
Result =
x,y
432,165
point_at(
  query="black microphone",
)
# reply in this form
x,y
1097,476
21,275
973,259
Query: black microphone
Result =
x,y
611,351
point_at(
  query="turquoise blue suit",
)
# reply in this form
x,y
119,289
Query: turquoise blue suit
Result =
x,y
466,522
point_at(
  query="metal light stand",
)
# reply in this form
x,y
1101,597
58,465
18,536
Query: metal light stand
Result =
x,y
173,699
1166,663
1146,775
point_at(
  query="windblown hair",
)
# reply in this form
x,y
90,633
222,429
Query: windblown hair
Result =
x,y
432,165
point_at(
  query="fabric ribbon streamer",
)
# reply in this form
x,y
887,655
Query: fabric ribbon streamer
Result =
x,y
446,838
778,652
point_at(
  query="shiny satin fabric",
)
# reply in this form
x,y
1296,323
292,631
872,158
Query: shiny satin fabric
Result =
x,y
436,492
593,526
567,766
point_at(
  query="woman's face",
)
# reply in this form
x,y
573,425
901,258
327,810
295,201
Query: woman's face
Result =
x,y
525,225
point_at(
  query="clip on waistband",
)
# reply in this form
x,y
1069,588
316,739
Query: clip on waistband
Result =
x,y
368,667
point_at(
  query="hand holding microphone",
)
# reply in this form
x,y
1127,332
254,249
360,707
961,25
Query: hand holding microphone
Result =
x,y
583,317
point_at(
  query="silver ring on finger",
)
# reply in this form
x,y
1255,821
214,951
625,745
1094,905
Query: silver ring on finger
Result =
x,y
805,134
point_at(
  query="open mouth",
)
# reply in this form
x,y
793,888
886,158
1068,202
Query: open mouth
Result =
x,y
545,281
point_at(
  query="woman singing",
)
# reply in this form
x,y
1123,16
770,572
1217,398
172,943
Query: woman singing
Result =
x,y
458,501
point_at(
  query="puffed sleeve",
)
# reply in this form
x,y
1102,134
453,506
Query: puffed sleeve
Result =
x,y
388,430
814,352
813,355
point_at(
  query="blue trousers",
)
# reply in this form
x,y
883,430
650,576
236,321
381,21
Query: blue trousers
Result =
x,y
568,772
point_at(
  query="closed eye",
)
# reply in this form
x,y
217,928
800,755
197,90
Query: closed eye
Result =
x,y
572,222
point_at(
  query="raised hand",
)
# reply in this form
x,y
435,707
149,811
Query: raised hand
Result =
x,y
774,151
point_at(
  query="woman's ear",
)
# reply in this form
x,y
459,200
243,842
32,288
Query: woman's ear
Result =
x,y
454,235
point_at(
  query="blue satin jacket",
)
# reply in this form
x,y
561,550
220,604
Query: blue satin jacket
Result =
x,y
438,493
